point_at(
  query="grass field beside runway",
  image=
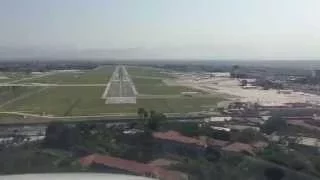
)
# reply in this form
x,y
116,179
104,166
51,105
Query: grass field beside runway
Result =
x,y
179,105
147,72
61,101
71,101
11,93
150,81
157,86
13,76
100,75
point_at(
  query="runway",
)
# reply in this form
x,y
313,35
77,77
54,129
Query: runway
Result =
x,y
120,88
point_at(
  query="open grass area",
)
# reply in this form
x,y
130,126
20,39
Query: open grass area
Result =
x,y
179,105
70,101
4,80
61,101
147,72
100,75
150,81
12,76
156,86
74,101
10,93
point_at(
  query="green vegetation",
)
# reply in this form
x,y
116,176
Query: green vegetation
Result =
x,y
100,75
147,72
191,129
152,120
294,130
62,101
183,104
150,81
247,136
34,159
97,138
157,86
295,160
12,76
9,93
229,167
275,123
64,144
70,101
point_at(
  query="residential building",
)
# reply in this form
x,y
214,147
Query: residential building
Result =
x,y
123,166
174,142
238,147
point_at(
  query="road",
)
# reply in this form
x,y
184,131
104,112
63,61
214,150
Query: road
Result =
x,y
21,119
173,96
51,85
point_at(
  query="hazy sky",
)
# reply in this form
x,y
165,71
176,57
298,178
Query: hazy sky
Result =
x,y
213,29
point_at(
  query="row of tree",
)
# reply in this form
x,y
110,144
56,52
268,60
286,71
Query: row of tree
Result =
x,y
151,119
63,136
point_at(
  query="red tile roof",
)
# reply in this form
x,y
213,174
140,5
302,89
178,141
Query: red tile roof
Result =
x,y
216,142
205,141
259,145
239,147
130,166
162,162
175,136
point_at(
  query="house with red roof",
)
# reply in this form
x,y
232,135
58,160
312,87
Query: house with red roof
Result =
x,y
124,166
238,147
175,143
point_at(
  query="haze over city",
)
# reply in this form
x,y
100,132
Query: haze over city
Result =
x,y
150,29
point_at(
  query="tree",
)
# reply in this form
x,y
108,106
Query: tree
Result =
x,y
298,164
84,129
256,106
316,163
154,120
220,110
145,114
274,173
189,129
275,123
141,112
61,136
216,134
245,136
152,113
53,134
212,155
